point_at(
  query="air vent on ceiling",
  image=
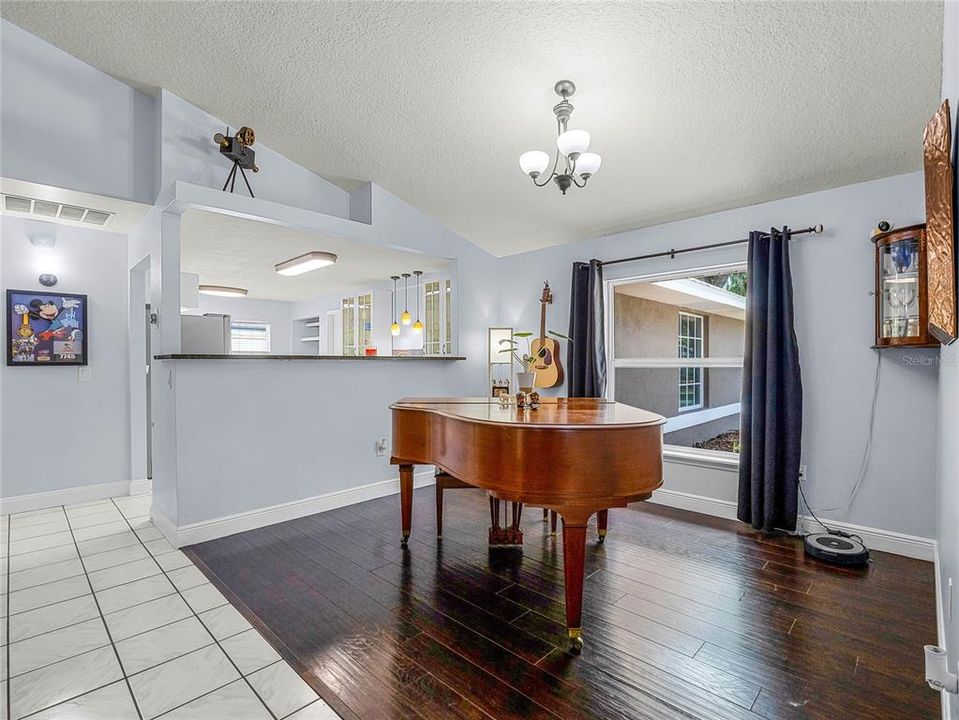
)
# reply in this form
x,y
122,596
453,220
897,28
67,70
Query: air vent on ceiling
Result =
x,y
17,204
95,217
55,211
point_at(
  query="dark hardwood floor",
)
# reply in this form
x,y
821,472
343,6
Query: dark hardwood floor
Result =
x,y
687,616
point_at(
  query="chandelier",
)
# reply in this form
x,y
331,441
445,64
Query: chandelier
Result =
x,y
578,165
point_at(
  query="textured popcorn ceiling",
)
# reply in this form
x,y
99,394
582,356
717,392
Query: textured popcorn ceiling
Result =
x,y
695,107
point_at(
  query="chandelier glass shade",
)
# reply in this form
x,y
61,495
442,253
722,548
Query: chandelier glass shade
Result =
x,y
572,164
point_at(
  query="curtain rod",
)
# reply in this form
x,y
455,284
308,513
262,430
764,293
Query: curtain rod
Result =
x,y
817,229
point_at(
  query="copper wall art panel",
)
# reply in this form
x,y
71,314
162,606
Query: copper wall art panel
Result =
x,y
940,240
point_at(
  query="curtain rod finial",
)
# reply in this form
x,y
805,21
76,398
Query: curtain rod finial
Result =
x,y
817,229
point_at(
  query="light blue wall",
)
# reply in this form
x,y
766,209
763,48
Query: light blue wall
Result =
x,y
58,432
947,498
313,424
832,275
66,124
188,153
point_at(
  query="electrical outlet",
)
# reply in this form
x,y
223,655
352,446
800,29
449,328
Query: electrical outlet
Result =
x,y
802,473
84,373
380,447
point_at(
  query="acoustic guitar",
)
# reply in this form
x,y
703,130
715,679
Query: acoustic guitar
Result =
x,y
549,372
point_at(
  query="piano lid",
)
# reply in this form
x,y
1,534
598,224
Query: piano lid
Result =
x,y
580,413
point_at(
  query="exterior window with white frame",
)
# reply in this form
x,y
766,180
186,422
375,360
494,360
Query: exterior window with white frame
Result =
x,y
676,343
249,337
691,343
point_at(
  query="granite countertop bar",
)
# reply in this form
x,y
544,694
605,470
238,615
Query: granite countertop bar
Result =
x,y
354,358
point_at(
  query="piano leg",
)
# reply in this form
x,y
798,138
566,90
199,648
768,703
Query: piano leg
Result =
x,y
552,523
406,500
439,509
545,514
602,523
574,559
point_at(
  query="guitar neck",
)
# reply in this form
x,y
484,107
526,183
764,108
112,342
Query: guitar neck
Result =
x,y
542,321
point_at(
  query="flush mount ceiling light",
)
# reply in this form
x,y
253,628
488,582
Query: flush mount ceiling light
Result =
x,y
305,263
223,291
578,165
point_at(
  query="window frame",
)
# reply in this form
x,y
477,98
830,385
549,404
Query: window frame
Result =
x,y
269,337
699,384
356,308
713,459
445,306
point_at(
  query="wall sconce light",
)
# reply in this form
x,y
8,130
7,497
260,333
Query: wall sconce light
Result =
x,y
43,241
48,279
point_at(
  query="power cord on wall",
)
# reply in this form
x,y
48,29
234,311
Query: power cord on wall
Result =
x,y
831,531
863,466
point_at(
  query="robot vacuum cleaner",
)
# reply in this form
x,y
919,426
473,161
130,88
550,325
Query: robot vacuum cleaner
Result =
x,y
837,548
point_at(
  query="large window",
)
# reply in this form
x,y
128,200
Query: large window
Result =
x,y
438,317
249,337
691,345
676,344
357,323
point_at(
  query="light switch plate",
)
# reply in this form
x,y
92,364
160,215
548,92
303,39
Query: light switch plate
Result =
x,y
84,374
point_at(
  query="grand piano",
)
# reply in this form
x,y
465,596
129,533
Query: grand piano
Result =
x,y
574,456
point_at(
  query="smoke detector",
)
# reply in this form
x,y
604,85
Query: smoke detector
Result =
x,y
50,210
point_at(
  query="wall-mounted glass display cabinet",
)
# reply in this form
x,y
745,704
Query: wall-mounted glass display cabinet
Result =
x,y
902,293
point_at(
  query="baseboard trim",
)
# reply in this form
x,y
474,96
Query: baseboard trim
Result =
x,y
66,496
164,524
192,533
695,503
896,543
946,698
911,546
141,487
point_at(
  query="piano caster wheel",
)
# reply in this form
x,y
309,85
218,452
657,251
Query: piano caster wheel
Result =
x,y
404,542
602,537
575,640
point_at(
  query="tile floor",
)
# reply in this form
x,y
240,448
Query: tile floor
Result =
x,y
100,617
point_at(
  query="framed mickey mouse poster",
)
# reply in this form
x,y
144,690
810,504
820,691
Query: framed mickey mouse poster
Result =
x,y
46,328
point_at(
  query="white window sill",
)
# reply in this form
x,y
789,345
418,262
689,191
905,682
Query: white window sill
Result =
x,y
701,458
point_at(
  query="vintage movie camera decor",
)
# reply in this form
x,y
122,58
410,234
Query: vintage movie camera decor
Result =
x,y
238,148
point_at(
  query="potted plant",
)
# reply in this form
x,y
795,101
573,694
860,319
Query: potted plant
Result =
x,y
526,378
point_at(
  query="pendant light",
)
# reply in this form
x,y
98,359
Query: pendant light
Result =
x,y
395,327
418,326
405,318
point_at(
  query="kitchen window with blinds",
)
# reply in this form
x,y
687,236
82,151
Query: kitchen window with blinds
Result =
x,y
249,336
